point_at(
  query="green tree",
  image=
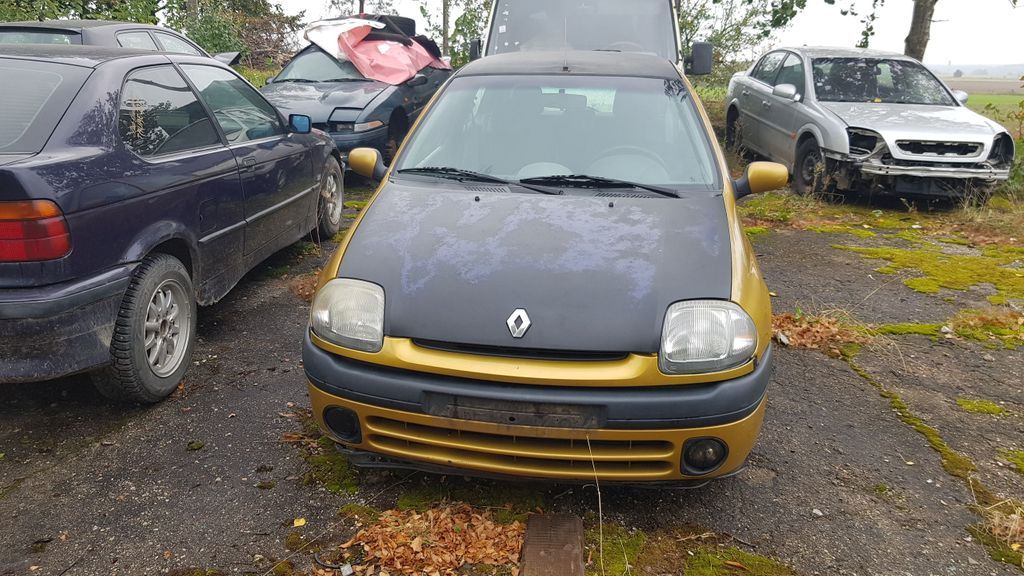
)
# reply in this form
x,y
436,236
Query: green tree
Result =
x,y
733,26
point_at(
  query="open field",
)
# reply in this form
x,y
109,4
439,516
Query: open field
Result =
x,y
986,85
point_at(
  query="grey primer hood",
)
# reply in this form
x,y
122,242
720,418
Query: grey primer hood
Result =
x,y
318,100
592,278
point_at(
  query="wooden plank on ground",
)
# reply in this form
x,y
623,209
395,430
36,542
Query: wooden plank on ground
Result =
x,y
553,546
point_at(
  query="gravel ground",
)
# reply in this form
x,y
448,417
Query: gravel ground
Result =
x,y
837,483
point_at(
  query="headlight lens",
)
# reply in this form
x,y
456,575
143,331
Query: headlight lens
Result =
x,y
706,336
367,126
350,313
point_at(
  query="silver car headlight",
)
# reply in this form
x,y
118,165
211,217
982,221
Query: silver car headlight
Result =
x,y
349,313
706,336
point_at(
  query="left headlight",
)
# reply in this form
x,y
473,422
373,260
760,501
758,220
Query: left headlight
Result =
x,y
350,313
706,336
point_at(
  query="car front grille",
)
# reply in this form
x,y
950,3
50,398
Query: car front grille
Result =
x,y
547,455
524,353
940,149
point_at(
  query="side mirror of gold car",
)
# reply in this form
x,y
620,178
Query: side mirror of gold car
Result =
x,y
761,177
367,162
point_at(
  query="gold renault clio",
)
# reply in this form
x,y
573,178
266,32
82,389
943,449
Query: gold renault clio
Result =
x,y
552,282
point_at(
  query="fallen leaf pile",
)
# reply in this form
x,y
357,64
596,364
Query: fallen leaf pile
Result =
x,y
1008,526
823,333
304,286
436,542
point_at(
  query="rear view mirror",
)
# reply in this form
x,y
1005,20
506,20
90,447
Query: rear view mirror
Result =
x,y
786,92
700,60
761,177
417,80
367,162
300,124
475,49
960,96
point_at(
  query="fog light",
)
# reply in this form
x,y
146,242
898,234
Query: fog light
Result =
x,y
344,424
703,455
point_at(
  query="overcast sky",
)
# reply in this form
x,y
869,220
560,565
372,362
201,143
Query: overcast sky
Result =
x,y
983,32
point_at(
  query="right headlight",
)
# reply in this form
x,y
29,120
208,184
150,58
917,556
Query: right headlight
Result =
x,y
349,313
706,336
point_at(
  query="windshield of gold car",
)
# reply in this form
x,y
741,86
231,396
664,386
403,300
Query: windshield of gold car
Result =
x,y
879,80
640,130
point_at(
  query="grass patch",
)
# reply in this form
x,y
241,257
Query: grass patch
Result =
x,y
621,549
356,204
720,561
955,272
980,406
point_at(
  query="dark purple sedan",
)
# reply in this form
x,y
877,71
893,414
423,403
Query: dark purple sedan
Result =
x,y
135,186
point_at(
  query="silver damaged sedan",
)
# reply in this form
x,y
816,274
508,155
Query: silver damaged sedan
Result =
x,y
844,119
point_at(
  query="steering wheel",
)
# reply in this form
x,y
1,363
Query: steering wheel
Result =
x,y
631,151
626,46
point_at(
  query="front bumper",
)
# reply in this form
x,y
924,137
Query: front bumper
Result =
x,y
58,330
564,433
376,138
875,167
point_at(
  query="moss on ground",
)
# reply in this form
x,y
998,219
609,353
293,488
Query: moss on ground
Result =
x,y
955,272
620,550
330,469
692,551
756,231
359,511
906,329
995,327
195,572
508,502
835,229
356,204
980,406
1014,457
997,549
881,489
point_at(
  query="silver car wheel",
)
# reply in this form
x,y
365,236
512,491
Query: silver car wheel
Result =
x,y
167,328
332,199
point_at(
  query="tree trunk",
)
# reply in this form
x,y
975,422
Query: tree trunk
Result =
x,y
445,9
920,29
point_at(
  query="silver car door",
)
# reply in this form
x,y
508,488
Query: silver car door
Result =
x,y
780,120
754,98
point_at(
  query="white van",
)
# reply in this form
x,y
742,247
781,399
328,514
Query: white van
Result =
x,y
648,26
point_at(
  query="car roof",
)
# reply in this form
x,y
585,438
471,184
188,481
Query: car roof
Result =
x,y
594,63
78,55
838,52
74,24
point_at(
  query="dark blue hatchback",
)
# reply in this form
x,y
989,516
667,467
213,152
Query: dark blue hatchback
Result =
x,y
135,186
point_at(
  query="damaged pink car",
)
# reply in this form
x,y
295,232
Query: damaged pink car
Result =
x,y
362,80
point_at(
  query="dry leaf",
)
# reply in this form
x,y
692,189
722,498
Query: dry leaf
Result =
x,y
299,522
168,554
736,565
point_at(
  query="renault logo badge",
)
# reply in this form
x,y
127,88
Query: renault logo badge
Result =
x,y
518,323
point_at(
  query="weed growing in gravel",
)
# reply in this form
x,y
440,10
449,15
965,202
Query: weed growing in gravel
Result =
x,y
980,406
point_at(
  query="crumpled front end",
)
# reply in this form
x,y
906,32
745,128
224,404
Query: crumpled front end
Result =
x,y
949,166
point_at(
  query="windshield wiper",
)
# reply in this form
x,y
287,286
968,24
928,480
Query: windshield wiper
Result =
x,y
300,80
347,80
468,175
584,181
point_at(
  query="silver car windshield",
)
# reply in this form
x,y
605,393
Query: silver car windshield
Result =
x,y
878,80
633,26
640,130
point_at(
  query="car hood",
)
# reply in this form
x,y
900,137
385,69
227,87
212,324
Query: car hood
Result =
x,y
319,100
6,159
915,122
593,273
